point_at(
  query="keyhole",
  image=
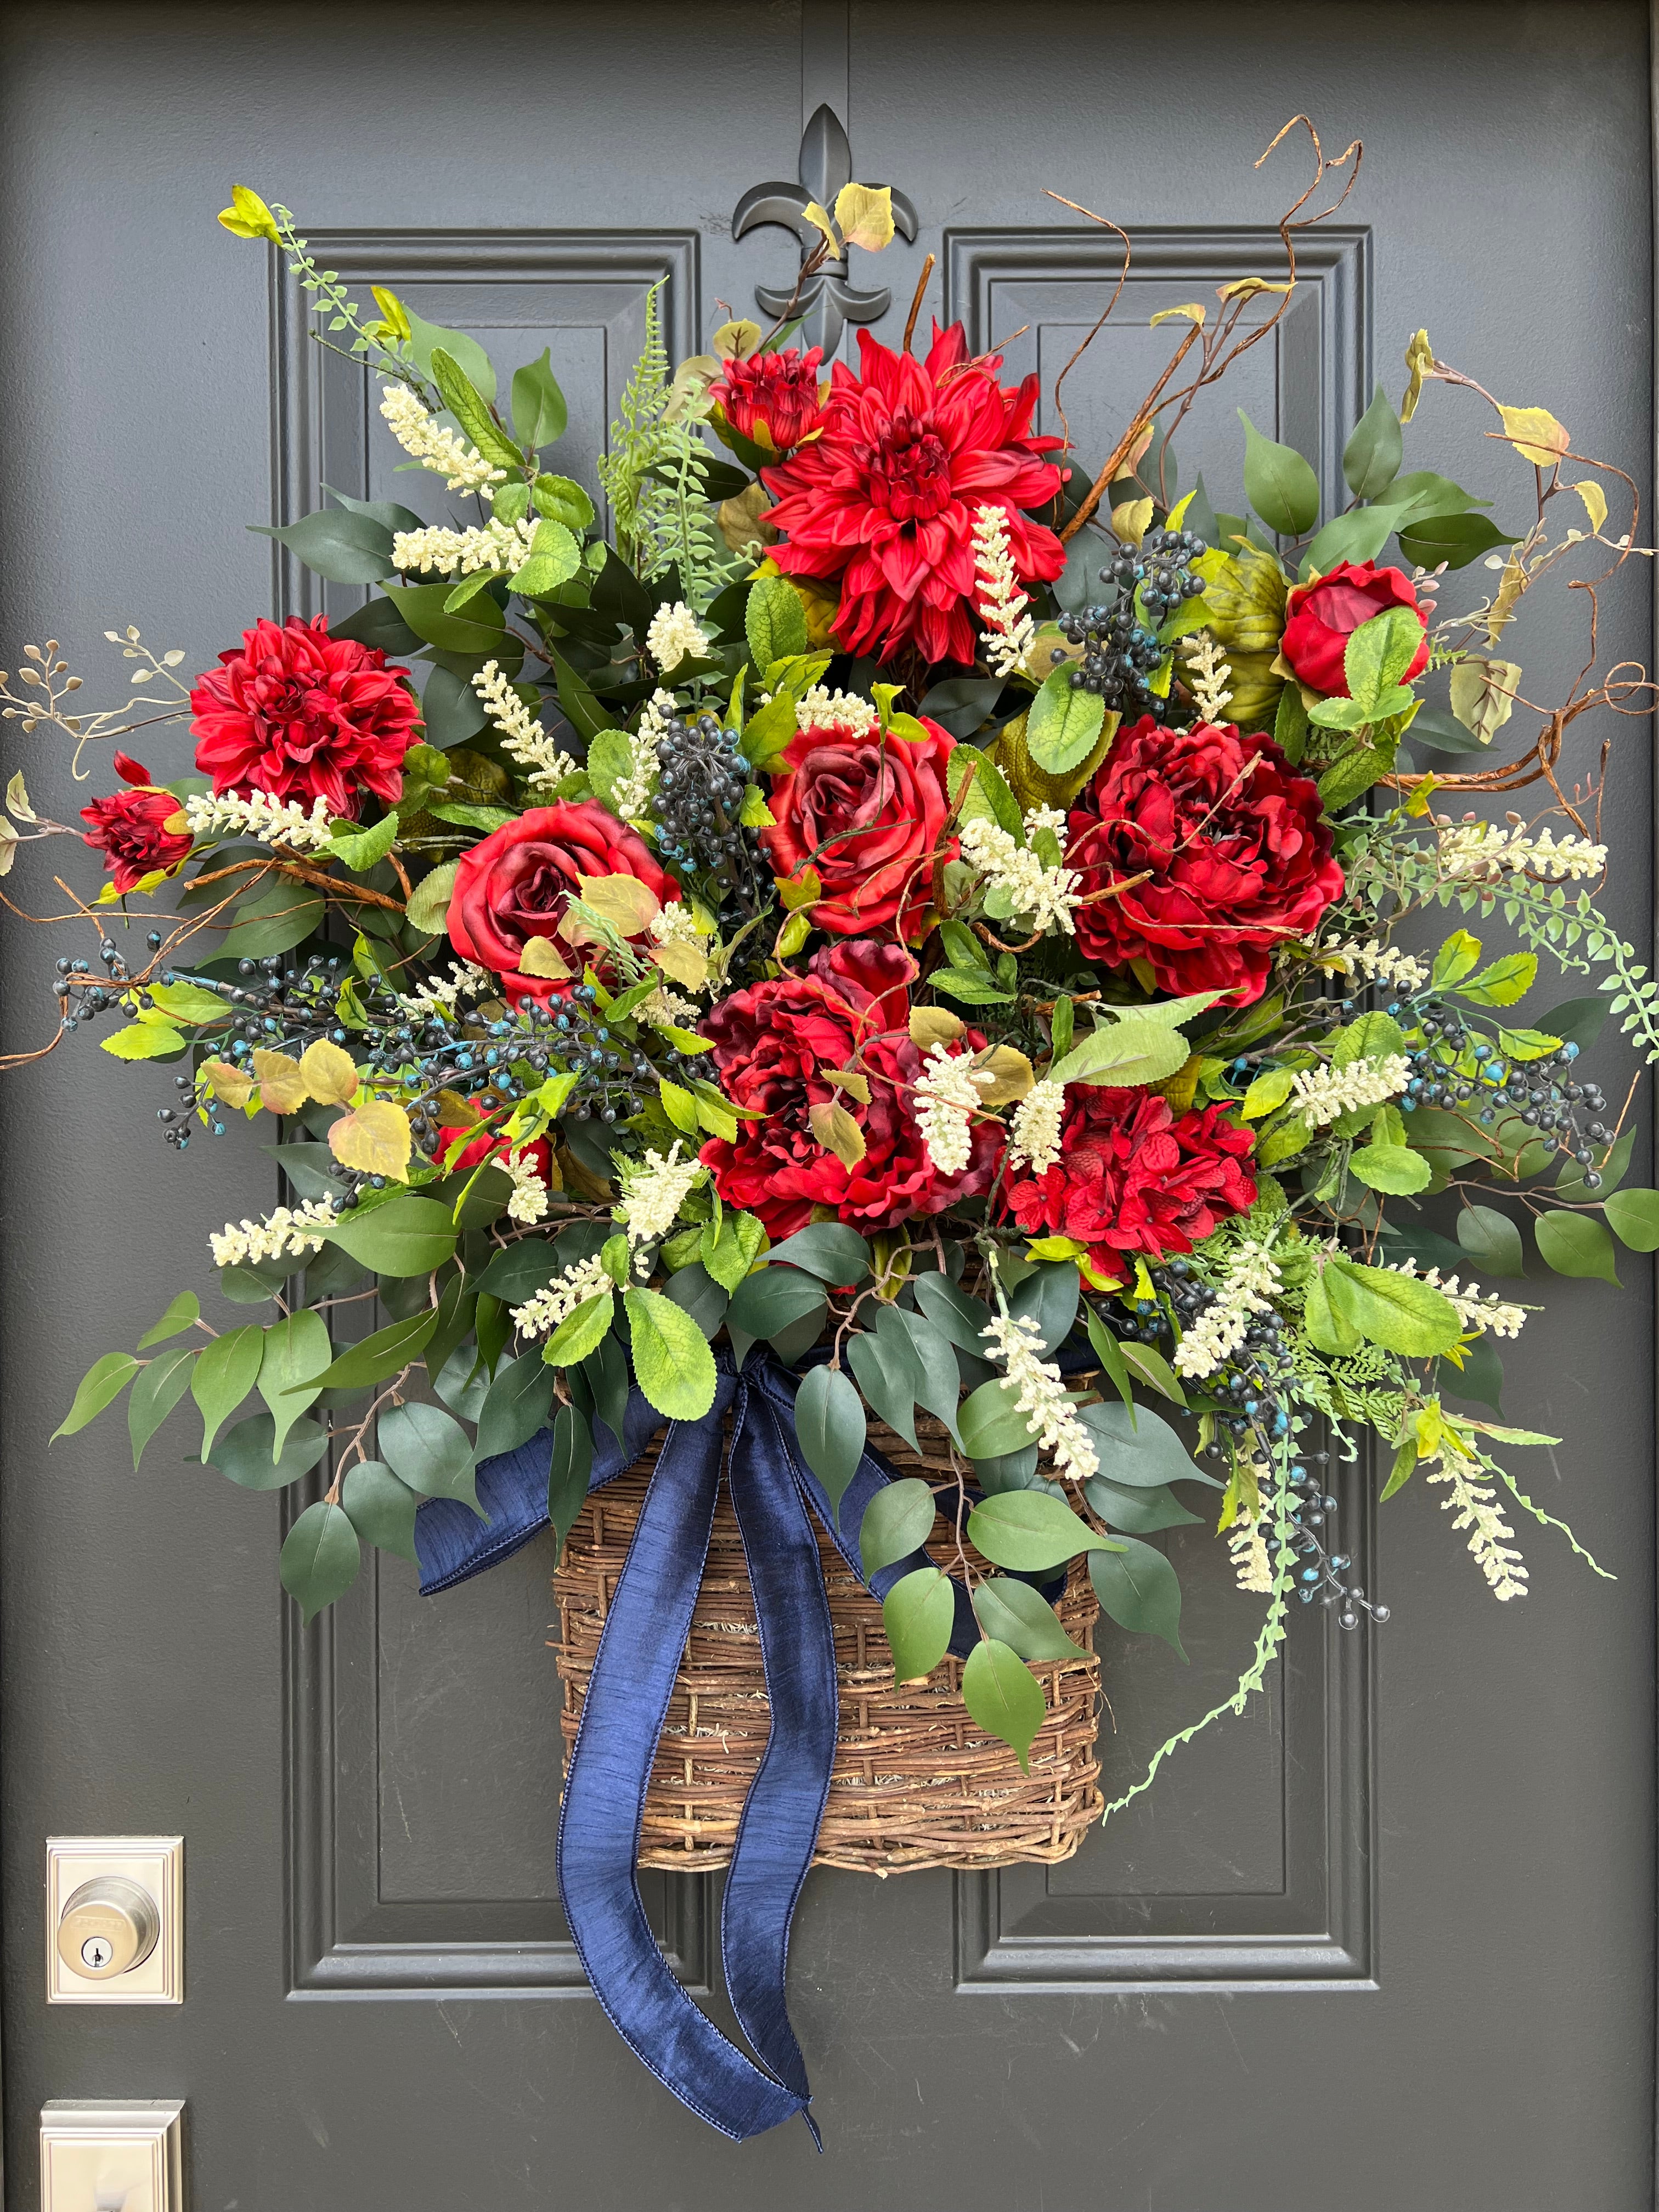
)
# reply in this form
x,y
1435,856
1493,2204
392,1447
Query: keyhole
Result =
x,y
96,1951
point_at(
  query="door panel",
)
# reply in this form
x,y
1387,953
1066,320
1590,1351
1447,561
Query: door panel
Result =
x,y
1384,1939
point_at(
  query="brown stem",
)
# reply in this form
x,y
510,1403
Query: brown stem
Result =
x,y
916,304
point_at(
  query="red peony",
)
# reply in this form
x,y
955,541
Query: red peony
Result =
x,y
299,715
774,1044
1321,616
771,395
1221,848
129,828
516,884
885,500
868,814
1136,1178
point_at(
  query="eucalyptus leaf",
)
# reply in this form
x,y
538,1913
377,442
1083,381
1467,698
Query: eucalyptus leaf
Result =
x,y
918,1614
1138,1588
381,1509
430,1451
1003,1697
830,1424
897,1522
320,1558
1022,1618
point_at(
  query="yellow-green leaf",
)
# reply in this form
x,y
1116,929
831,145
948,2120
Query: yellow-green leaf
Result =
x,y
376,1140
623,901
864,213
1535,434
330,1074
282,1087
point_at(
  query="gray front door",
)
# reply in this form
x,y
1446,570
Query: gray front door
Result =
x,y
1385,1941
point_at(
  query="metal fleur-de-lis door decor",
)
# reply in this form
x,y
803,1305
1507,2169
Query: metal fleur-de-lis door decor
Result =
x,y
828,301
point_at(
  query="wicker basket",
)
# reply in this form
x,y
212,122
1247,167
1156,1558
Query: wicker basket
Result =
x,y
916,1784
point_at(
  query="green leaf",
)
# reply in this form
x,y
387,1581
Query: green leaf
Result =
x,y
1371,457
582,1331
1359,535
897,1522
1577,1244
1503,982
1022,1618
672,1363
568,1470
224,1375
246,1453
775,622
347,549
940,1385
430,1451
1278,483
185,1310
539,413
1109,1352
890,1377
381,1509
1392,1168
426,339
1457,539
1329,1330
188,1003
471,411
1063,723
562,499
275,919
830,1426
1138,1512
1491,1240
1457,957
158,1390
1029,1530
1400,1312
1404,1460
918,1614
1378,653
1137,1588
1004,1698
991,1423
144,1041
407,1235
428,910
1049,1296
956,1313
554,557
296,1356
774,1299
972,985
362,849
516,1406
1138,1447
478,631
377,1356
1633,1216
320,1558
1133,1050
1154,1368
729,1254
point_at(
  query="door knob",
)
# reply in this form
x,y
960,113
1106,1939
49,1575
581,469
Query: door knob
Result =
x,y
112,2155
109,1925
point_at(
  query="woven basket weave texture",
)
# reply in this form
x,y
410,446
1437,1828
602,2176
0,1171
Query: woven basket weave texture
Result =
x,y
917,1782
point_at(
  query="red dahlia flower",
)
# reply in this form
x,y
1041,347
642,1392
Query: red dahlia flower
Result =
x,y
1321,616
885,499
1221,848
772,393
775,1044
299,714
867,813
129,828
1134,1178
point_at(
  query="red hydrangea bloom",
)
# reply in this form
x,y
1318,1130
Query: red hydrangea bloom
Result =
x,y
868,815
129,828
775,1045
1134,1178
1230,843
1321,616
299,714
885,499
774,393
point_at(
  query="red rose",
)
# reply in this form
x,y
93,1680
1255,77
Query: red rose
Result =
x,y
129,828
868,814
516,884
1321,617
773,393
1221,849
886,499
299,714
1134,1177
775,1045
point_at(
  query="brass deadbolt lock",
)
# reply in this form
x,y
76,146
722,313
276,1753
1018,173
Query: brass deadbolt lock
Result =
x,y
108,1926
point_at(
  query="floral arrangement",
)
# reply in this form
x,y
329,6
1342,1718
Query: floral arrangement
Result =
x,y
887,892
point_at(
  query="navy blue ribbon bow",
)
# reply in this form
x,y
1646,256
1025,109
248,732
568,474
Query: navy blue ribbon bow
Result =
x,y
633,1679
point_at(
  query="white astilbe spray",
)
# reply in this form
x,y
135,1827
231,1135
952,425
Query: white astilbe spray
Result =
x,y
630,794
674,636
1040,1395
821,709
947,1097
541,1315
653,1192
1473,1505
1386,963
271,821
1034,1139
666,1009
676,924
1251,1280
1325,1093
441,994
1048,895
1474,1308
287,1234
528,1203
1482,851
523,738
1209,675
504,545
1247,1547
445,452
1009,630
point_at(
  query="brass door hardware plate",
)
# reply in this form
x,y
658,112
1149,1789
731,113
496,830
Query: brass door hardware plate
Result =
x,y
115,1920
112,2155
